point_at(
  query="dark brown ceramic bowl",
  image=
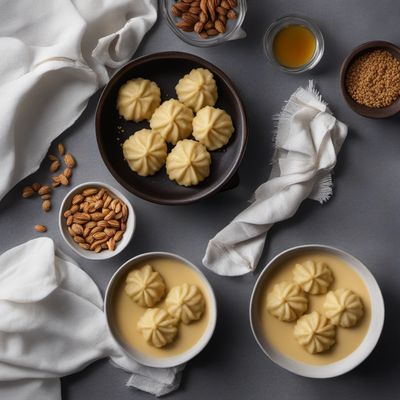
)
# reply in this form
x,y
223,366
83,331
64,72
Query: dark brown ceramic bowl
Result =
x,y
166,69
365,111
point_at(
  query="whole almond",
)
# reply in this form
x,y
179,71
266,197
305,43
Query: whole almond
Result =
x,y
203,6
90,192
36,186
97,249
96,229
89,239
100,194
55,179
211,10
110,232
113,223
225,4
104,246
67,172
221,10
85,246
182,7
231,14
123,226
71,232
107,201
212,32
61,149
118,236
109,216
124,212
118,207
27,191
232,3
55,184
46,205
52,157
190,18
67,213
198,27
111,244
46,196
203,34
69,160
118,216
86,232
175,11
40,228
219,26
209,25
203,17
102,223
64,180
82,216
99,235
194,10
70,220
78,239
74,208
98,204
91,224
78,198
78,229
54,166
96,216
114,204
44,190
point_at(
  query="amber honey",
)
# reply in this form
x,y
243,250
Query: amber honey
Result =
x,y
294,46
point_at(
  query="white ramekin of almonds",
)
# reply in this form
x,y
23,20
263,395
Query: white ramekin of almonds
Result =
x,y
96,220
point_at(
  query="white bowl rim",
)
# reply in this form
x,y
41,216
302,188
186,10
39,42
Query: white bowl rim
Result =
x,y
359,354
105,254
179,359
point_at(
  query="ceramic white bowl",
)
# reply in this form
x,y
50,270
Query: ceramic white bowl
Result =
x,y
351,361
105,254
137,355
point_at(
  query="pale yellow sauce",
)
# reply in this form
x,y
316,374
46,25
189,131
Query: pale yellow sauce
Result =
x,y
280,334
127,313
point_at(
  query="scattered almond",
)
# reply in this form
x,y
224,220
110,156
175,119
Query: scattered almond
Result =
x,y
44,190
61,149
27,191
46,205
67,172
40,228
63,180
54,166
36,186
46,196
69,160
52,157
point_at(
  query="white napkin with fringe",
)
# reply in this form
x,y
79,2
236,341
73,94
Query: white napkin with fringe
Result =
x,y
308,139
52,324
56,54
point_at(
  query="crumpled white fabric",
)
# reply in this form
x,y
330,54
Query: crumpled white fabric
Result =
x,y
52,324
55,55
308,139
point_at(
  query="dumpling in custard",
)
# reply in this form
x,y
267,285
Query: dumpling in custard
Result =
x,y
185,302
315,333
343,307
137,99
213,127
188,163
145,286
287,301
172,120
313,277
197,89
158,327
145,151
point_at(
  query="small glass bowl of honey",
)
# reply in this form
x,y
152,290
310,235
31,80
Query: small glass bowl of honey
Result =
x,y
294,44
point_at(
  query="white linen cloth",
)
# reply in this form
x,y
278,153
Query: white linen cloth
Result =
x,y
55,55
308,139
52,324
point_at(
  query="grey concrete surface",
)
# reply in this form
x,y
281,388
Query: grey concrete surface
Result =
x,y
362,217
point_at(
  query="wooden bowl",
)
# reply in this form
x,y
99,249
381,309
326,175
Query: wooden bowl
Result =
x,y
361,109
111,130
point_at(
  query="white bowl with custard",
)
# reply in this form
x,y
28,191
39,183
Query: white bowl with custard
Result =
x,y
316,311
160,309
